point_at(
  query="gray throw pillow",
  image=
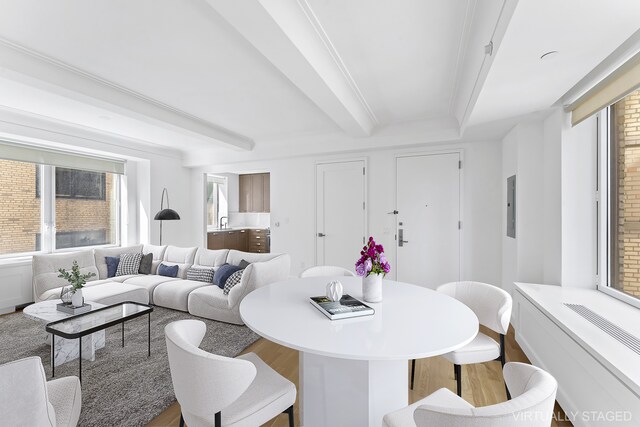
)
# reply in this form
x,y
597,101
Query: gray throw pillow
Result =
x,y
145,264
244,264
233,280
129,264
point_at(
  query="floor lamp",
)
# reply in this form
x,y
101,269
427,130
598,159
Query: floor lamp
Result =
x,y
165,214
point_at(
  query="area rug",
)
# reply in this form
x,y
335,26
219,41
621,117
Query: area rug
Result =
x,y
122,387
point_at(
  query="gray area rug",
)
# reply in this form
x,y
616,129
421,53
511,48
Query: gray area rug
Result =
x,y
122,387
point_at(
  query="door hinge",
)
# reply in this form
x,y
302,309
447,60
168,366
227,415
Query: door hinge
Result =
x,y
363,171
459,164
459,225
363,240
363,206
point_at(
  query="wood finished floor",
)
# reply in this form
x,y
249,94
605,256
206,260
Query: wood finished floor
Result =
x,y
482,384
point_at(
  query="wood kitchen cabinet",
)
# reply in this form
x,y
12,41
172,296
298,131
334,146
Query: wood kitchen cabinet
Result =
x,y
244,239
255,192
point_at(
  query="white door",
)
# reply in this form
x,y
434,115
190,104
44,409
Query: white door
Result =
x,y
428,205
340,216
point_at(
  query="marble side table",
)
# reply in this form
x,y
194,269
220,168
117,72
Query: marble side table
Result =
x,y
65,350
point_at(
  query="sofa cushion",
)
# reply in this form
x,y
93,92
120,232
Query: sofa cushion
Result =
x,y
129,264
55,292
168,270
158,254
236,257
211,303
122,279
45,269
149,282
112,265
233,280
223,273
201,274
182,257
210,258
175,294
145,263
101,253
114,292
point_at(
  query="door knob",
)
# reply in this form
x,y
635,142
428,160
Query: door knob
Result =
x,y
321,234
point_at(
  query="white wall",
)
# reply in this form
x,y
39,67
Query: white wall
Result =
x,y
293,204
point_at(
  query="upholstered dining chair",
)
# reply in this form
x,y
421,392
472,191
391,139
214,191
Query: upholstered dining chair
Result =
x,y
221,391
28,399
326,271
492,306
533,391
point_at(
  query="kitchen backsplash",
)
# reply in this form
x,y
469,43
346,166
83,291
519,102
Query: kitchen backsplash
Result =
x,y
242,219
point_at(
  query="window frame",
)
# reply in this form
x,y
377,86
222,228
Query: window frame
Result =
x,y
46,183
603,204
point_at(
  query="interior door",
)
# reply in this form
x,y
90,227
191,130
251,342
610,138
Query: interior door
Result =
x,y
428,227
340,213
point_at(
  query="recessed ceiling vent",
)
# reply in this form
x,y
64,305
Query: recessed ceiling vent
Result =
x,y
624,337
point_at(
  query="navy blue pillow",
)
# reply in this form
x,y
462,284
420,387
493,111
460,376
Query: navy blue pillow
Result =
x,y
223,273
168,270
112,265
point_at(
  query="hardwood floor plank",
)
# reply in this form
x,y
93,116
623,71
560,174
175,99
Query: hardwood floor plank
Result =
x,y
482,384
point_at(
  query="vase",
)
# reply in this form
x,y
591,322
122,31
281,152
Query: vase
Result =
x,y
76,299
372,288
334,290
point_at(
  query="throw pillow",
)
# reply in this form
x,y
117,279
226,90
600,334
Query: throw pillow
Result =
x,y
233,280
244,264
112,265
168,270
223,274
145,264
129,264
201,274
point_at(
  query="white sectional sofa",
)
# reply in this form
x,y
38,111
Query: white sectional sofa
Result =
x,y
198,298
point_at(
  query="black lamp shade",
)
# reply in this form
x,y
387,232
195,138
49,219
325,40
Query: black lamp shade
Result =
x,y
167,215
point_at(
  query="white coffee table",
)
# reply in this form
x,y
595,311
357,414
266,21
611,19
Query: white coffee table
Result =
x,y
354,371
65,350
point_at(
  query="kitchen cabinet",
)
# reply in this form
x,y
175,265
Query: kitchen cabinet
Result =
x,y
246,240
255,192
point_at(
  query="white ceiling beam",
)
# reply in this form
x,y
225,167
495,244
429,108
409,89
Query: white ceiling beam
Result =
x,y
19,63
489,22
287,33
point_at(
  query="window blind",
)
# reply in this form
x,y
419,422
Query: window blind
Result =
x,y
59,158
617,85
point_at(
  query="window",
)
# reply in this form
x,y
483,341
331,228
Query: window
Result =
x,y
624,195
20,208
84,211
216,200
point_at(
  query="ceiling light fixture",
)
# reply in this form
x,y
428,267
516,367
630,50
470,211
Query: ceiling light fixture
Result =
x,y
549,54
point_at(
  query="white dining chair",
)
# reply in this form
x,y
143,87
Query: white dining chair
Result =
x,y
28,399
326,271
533,391
492,306
219,391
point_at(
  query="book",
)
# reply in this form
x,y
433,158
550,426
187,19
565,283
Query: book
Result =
x,y
347,307
69,309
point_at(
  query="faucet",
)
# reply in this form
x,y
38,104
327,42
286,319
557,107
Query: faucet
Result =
x,y
220,222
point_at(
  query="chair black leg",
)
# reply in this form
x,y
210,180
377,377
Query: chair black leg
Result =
x,y
218,419
503,360
289,411
181,420
458,373
413,372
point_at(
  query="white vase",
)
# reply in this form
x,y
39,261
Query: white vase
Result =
x,y
76,299
372,288
334,290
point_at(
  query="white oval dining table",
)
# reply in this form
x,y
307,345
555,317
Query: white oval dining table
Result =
x,y
354,371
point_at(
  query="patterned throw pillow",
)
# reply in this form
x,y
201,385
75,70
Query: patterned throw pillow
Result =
x,y
200,274
129,264
233,280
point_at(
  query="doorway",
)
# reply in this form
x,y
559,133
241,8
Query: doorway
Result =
x,y
428,219
340,212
